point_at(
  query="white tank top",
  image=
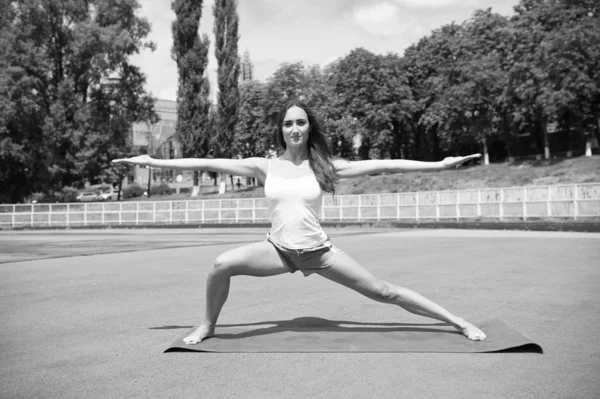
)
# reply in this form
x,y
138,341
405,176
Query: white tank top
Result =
x,y
294,198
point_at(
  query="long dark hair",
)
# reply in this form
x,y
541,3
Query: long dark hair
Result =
x,y
319,154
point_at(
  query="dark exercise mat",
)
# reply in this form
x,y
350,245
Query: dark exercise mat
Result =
x,y
311,334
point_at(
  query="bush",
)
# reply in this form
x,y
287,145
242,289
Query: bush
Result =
x,y
69,194
132,191
162,189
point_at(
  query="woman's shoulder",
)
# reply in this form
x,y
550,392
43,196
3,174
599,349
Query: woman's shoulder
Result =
x,y
262,164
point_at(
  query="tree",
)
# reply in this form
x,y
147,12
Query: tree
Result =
x,y
430,67
110,118
56,56
228,71
372,90
475,99
253,136
571,95
554,79
193,92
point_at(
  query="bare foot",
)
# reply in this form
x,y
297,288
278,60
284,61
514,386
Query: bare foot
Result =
x,y
470,331
200,334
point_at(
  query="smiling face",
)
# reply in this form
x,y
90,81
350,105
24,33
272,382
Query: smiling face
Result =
x,y
295,128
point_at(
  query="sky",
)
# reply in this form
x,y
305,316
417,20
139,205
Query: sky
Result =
x,y
309,31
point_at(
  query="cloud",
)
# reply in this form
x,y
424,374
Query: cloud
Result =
x,y
378,19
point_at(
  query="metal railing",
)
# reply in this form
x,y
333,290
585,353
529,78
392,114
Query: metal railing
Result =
x,y
570,201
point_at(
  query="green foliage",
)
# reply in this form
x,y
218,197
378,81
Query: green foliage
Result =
x,y
190,51
554,77
228,70
162,189
133,191
253,135
286,84
373,91
68,93
69,194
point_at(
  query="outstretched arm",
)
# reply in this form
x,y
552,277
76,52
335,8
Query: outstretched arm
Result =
x,y
250,167
346,169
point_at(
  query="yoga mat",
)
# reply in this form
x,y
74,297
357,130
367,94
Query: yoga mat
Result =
x,y
311,334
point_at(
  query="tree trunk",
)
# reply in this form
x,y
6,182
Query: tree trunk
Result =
x,y
546,140
120,188
149,180
486,155
196,187
588,140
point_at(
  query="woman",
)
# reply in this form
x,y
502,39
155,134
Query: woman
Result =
x,y
294,185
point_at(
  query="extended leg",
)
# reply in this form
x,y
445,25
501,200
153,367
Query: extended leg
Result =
x,y
259,259
351,274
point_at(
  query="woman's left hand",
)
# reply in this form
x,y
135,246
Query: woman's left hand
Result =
x,y
450,162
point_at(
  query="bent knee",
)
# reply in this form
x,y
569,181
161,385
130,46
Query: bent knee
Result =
x,y
223,264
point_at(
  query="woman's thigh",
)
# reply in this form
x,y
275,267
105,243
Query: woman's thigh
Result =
x,y
258,259
349,273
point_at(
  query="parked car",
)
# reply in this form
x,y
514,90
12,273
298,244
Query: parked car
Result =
x,y
110,195
46,200
88,196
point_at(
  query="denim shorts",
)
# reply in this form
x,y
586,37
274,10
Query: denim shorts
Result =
x,y
307,260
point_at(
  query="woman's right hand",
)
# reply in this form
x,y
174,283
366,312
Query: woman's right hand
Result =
x,y
141,160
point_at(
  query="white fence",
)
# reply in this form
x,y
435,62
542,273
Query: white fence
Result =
x,y
558,201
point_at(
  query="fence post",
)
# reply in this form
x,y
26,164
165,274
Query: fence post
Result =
x,y
457,205
341,208
378,207
548,207
202,213
186,217
120,212
254,210
575,197
417,206
501,204
102,220
154,212
137,213
397,206
359,207
524,203
219,211
85,214
478,203
437,206
237,210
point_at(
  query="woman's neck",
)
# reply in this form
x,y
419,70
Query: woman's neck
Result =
x,y
296,156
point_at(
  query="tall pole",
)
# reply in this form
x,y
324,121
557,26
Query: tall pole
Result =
x,y
149,153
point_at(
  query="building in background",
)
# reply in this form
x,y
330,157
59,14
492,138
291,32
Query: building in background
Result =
x,y
157,140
